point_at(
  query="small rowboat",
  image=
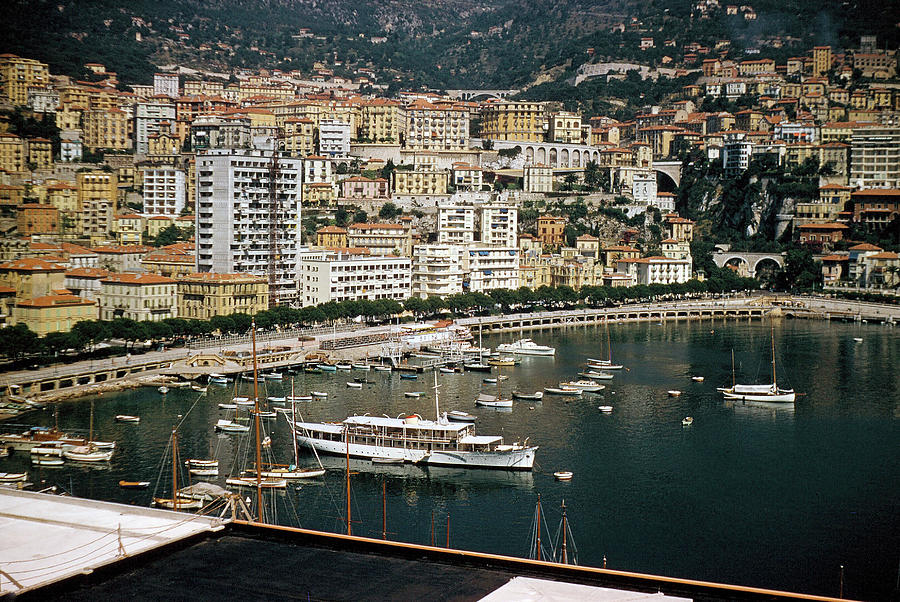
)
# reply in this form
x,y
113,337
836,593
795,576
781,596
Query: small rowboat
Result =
x,y
460,416
327,367
536,396
198,388
227,426
687,421
46,461
563,475
284,473
251,482
227,406
413,394
126,418
674,393
87,453
570,391
12,477
181,504
300,398
273,375
218,379
605,409
205,463
354,385
264,414
134,484
319,394
360,366
447,370
343,366
697,379
409,376
383,368
204,472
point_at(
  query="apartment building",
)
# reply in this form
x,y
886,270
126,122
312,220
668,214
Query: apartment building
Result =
x,y
361,187
32,277
550,230
464,176
334,138
204,295
165,84
508,120
18,75
52,313
437,270
436,127
655,270
381,239
233,220
97,193
381,121
565,127
491,268
105,129
336,276
165,191
875,157
538,178
456,224
499,224
148,119
139,297
84,282
36,218
12,153
299,139
421,180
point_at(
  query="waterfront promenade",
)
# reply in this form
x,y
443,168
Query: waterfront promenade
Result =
x,y
284,348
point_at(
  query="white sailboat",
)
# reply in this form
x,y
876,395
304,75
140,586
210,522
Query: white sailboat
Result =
x,y
770,393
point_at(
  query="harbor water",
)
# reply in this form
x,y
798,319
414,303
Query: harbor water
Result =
x,y
776,496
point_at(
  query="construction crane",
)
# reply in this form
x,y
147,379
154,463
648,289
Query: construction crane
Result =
x,y
274,214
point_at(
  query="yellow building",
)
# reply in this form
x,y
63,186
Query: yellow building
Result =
x,y
168,262
97,192
419,181
436,127
163,147
12,153
12,195
565,127
105,128
69,117
821,60
128,229
202,296
156,224
17,75
318,193
141,297
32,277
380,121
508,120
331,237
40,153
299,137
381,239
64,197
53,313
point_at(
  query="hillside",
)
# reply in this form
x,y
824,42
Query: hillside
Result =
x,y
434,43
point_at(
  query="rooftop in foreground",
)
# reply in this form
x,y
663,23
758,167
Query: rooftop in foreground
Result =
x,y
72,549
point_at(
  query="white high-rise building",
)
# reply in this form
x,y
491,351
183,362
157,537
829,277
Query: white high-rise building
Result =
x,y
334,138
437,270
488,268
147,119
328,276
456,224
164,191
235,218
499,223
165,83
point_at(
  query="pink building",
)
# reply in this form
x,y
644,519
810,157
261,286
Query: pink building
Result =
x,y
360,187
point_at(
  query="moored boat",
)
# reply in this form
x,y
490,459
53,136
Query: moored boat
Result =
x,y
563,475
605,409
360,366
477,367
536,396
227,406
526,347
319,394
134,484
273,376
409,376
697,379
87,453
127,418
264,483
354,385
217,379
344,366
228,426
687,421
47,461
493,401
299,398
413,394
382,368
460,416
769,392
164,389
594,375
503,361
674,393
588,386
566,391
327,367
13,477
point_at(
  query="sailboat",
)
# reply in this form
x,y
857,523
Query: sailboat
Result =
x,y
769,393
562,548
494,401
478,366
174,503
89,452
606,364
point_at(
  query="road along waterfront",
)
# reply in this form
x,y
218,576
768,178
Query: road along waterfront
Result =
x,y
756,495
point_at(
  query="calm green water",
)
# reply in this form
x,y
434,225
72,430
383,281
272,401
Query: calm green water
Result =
x,y
773,497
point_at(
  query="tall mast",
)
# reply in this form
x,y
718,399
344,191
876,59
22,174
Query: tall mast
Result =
x,y
732,369
347,436
293,426
274,172
539,527
383,509
774,382
174,469
565,557
437,407
256,420
91,427
608,342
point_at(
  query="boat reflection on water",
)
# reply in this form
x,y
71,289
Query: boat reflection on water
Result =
x,y
761,409
457,476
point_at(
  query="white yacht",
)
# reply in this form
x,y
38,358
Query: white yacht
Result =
x,y
410,438
526,347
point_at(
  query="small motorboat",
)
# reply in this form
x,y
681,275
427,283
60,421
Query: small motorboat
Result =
x,y
47,461
319,394
264,414
536,396
494,380
164,389
360,366
87,453
273,375
354,385
594,375
134,484
227,426
857,339
674,393
218,379
478,367
198,388
386,460
127,418
569,391
444,370
563,475
327,367
383,368
697,379
409,376
414,394
13,477
605,409
276,399
48,448
588,386
299,398
227,406
492,401
460,416
503,361
344,366
687,421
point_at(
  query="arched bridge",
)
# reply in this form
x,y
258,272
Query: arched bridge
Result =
x,y
671,169
476,95
747,263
